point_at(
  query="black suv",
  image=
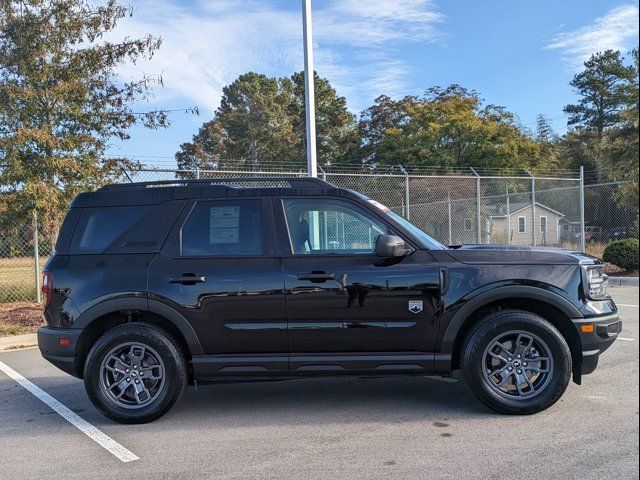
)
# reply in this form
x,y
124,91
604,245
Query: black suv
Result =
x,y
156,285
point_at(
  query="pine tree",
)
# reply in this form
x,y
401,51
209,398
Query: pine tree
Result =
x,y
61,102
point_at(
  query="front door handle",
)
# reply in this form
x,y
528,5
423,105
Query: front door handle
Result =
x,y
187,279
316,277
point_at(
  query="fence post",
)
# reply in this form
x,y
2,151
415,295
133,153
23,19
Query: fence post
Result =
x,y
478,205
324,174
508,222
406,192
534,233
583,229
449,217
36,255
197,173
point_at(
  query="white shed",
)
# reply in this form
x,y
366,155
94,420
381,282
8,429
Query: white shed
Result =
x,y
519,225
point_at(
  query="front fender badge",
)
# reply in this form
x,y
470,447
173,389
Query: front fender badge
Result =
x,y
415,306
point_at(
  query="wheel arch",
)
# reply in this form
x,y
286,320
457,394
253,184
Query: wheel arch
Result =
x,y
550,306
101,318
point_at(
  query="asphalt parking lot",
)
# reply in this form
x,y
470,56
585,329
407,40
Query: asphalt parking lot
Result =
x,y
333,428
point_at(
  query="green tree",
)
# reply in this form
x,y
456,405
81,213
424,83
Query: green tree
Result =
x,y
446,128
261,123
550,145
250,128
544,130
379,127
603,91
621,149
336,132
257,126
605,134
61,102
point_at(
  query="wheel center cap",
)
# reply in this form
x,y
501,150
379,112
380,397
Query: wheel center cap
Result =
x,y
516,363
134,374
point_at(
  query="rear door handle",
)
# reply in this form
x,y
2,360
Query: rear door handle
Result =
x,y
187,279
316,277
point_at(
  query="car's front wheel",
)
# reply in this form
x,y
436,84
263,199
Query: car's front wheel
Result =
x,y
516,362
135,373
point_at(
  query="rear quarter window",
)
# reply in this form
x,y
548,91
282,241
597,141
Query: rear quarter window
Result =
x,y
98,228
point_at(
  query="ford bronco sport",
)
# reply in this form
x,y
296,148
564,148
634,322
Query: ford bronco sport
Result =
x,y
156,285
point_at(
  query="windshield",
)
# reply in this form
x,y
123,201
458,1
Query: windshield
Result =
x,y
428,242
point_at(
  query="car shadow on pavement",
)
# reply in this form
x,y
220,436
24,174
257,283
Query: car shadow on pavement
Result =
x,y
347,400
328,400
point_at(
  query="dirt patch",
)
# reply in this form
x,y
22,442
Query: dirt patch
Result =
x,y
20,318
21,346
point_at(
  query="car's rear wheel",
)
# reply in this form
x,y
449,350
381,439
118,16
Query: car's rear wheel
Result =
x,y
135,373
516,362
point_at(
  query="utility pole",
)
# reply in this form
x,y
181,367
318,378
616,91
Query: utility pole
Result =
x,y
309,87
508,218
583,228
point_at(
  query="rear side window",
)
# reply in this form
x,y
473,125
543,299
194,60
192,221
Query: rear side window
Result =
x,y
223,228
99,227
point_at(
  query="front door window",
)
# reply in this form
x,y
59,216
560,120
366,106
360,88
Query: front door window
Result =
x,y
320,227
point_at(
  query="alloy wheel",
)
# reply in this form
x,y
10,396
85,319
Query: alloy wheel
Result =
x,y
517,365
132,375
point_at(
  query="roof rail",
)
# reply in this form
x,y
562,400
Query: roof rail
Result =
x,y
295,182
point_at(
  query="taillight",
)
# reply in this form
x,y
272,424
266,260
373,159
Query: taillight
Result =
x,y
47,287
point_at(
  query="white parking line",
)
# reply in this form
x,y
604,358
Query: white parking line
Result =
x,y
626,305
627,339
80,423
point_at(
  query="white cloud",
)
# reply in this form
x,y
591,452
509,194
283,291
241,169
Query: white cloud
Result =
x,y
617,30
377,22
207,44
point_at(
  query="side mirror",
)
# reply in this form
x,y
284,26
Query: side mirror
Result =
x,y
388,246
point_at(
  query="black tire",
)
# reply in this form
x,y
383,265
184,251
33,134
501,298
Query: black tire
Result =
x,y
474,358
167,390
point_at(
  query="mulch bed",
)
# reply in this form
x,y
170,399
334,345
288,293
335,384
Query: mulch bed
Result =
x,y
613,271
19,318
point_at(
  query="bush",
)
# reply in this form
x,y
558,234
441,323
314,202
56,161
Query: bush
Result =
x,y
623,253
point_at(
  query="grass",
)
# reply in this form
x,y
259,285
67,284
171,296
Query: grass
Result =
x,y
596,249
9,330
17,281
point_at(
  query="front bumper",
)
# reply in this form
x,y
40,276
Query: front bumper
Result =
x,y
61,355
597,339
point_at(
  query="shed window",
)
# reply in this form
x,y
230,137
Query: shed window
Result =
x,y
468,224
543,224
522,224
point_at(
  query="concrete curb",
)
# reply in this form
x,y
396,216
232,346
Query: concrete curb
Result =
x,y
623,281
7,343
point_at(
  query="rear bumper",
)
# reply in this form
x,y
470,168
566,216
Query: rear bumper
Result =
x,y
62,356
604,333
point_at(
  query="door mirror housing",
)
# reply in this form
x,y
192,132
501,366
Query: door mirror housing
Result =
x,y
388,246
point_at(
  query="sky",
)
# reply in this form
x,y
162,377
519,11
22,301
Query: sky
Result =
x,y
520,55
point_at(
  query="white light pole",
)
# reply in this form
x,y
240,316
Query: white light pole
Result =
x,y
309,88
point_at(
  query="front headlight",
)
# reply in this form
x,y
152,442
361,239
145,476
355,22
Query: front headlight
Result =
x,y
597,282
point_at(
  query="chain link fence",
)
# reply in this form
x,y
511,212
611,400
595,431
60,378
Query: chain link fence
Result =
x,y
455,209
21,260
